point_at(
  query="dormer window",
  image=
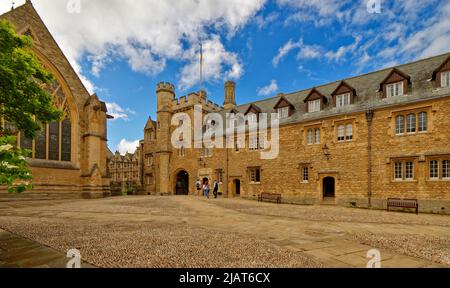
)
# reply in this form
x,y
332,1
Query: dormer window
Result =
x,y
445,79
314,106
284,108
441,76
283,112
343,100
315,101
395,89
252,118
252,114
395,84
343,95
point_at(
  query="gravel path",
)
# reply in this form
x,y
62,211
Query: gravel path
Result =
x,y
152,245
434,249
334,214
429,247
184,232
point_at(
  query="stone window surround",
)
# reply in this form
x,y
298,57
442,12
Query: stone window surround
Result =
x,y
440,159
403,161
345,122
252,170
313,127
405,113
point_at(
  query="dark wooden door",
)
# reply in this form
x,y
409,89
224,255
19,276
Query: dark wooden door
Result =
x,y
329,187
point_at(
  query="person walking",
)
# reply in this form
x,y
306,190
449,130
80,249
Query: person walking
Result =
x,y
199,187
215,189
206,189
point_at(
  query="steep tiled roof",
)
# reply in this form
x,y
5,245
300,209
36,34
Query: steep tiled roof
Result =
x,y
367,90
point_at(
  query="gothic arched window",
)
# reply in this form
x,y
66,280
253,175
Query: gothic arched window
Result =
x,y
54,141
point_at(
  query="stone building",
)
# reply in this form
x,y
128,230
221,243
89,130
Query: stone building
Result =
x,y
68,157
126,172
355,142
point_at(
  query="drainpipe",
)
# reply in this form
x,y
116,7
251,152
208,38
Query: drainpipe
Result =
x,y
369,118
228,175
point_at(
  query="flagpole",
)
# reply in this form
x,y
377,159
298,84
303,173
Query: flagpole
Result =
x,y
201,66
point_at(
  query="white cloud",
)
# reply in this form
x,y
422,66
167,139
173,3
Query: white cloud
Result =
x,y
118,112
263,21
431,38
146,33
320,12
310,52
269,89
343,50
218,64
305,51
423,29
126,146
284,50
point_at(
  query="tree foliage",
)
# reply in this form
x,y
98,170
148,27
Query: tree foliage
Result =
x,y
13,168
23,101
24,104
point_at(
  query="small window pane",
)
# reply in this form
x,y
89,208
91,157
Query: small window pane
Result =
x,y
252,118
41,144
310,136
349,136
253,142
434,169
400,125
317,136
446,169
398,171
255,175
411,123
409,171
423,122
341,133
283,112
262,141
305,174
395,89
66,140
53,146
445,79
314,106
343,100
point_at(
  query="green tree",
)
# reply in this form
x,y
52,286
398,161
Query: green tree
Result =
x,y
24,103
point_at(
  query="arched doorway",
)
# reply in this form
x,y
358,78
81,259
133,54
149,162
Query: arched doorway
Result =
x,y
237,187
329,187
182,183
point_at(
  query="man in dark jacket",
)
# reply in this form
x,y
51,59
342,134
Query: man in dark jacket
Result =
x,y
216,189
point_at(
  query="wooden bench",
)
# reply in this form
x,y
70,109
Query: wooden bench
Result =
x,y
270,197
403,203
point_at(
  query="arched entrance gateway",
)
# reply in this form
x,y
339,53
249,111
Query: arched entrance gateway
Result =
x,y
329,187
182,183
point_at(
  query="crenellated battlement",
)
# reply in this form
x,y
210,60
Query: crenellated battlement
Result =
x,y
165,87
192,99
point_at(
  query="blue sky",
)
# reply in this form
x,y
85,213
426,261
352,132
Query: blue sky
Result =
x,y
122,49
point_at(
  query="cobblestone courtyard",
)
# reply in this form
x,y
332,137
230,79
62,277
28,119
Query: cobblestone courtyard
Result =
x,y
194,232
